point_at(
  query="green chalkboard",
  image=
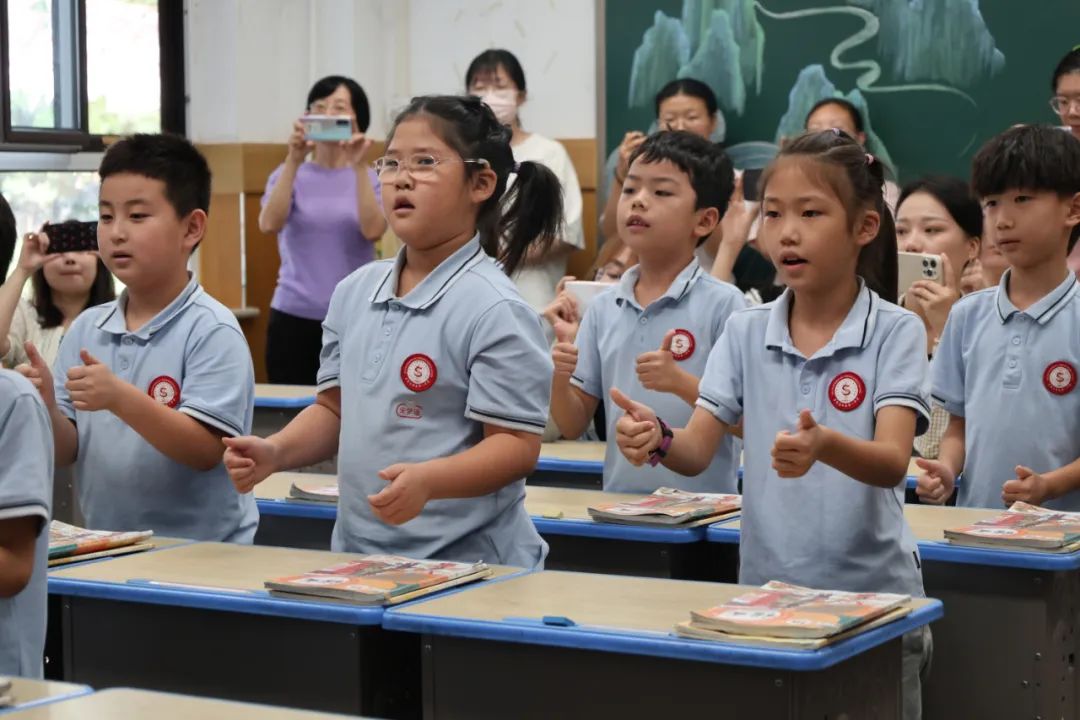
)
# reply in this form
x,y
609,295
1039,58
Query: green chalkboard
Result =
x,y
938,77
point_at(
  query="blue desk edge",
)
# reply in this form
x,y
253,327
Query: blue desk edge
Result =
x,y
284,403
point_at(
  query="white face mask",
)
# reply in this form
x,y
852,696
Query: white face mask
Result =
x,y
503,103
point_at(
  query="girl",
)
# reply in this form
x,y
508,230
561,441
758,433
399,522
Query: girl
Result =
x,y
496,77
64,284
326,214
831,383
435,374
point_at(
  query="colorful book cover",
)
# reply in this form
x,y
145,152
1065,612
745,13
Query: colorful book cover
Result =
x,y
67,540
310,492
668,506
378,579
782,610
1021,526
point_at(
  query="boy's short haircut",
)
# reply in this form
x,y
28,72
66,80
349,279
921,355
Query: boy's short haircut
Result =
x,y
1028,157
706,164
8,235
168,158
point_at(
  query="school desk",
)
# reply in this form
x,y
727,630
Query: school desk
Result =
x,y
276,406
558,644
127,704
291,523
33,693
1008,644
196,619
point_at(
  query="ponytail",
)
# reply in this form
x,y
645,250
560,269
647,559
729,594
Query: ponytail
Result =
x,y
878,262
532,214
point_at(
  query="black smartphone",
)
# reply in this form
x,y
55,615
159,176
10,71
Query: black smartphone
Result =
x,y
72,236
750,180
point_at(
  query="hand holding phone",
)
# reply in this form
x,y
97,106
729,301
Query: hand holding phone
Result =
x,y
71,236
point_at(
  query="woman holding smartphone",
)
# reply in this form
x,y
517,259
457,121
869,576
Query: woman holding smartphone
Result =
x,y
326,212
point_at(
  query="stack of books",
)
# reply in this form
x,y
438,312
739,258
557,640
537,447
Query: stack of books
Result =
x,y
669,507
1022,527
313,492
68,543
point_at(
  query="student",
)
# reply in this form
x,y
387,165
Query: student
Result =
x,y
434,382
146,386
831,383
1066,103
840,114
26,446
64,285
653,331
1006,367
496,77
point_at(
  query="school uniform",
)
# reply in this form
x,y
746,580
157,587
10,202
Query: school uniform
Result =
x,y
616,330
26,446
420,376
1012,374
192,357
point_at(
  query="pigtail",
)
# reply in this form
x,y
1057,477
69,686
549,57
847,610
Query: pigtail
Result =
x,y
532,214
878,262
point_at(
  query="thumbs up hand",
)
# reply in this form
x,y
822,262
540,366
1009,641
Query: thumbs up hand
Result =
x,y
37,372
1029,487
92,385
637,432
795,453
657,369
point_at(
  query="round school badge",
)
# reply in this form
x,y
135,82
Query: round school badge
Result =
x,y
1060,378
165,390
682,344
418,372
847,391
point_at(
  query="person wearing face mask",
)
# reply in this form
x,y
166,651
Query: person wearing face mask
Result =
x,y
496,77
327,217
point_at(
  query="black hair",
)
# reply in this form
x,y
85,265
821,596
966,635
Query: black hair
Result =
x,y
1069,64
856,116
955,194
705,163
1028,157
857,179
489,62
168,158
531,213
102,290
326,86
8,235
691,88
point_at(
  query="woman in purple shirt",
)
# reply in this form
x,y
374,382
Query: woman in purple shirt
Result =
x,y
327,214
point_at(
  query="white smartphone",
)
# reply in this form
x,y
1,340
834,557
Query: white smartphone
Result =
x,y
326,128
917,266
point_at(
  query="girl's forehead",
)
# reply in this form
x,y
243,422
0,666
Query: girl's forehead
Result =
x,y
799,177
417,134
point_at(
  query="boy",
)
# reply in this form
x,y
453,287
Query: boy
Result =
x,y
146,386
674,195
1006,367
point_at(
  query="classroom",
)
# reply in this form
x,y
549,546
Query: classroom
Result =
x,y
513,359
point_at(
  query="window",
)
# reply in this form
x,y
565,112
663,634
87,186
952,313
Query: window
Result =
x,y
75,71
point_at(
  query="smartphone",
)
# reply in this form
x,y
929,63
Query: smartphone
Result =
x,y
72,236
917,266
327,128
750,181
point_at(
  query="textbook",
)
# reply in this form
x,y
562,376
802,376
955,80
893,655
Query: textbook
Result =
x,y
690,630
1022,526
312,492
69,541
379,579
780,610
668,506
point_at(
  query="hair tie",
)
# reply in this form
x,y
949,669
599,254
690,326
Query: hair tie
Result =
x,y
869,159
516,169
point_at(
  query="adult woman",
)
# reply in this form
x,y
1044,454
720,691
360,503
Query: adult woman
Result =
x,y
327,216
497,78
1066,103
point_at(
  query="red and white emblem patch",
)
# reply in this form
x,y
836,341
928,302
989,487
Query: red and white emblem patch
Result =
x,y
1060,378
847,391
418,372
165,390
682,344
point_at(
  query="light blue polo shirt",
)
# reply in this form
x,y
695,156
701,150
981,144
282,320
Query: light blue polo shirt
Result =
x,y
616,330
420,376
1012,374
191,356
825,529
26,477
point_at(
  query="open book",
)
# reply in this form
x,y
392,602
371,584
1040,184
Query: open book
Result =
x,y
379,579
668,506
68,542
1022,526
780,610
314,492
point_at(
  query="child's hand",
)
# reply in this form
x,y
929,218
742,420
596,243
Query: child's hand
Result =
x,y
38,373
93,386
299,145
934,299
1029,487
249,460
937,482
631,142
739,218
657,370
406,495
563,314
637,432
794,454
564,354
